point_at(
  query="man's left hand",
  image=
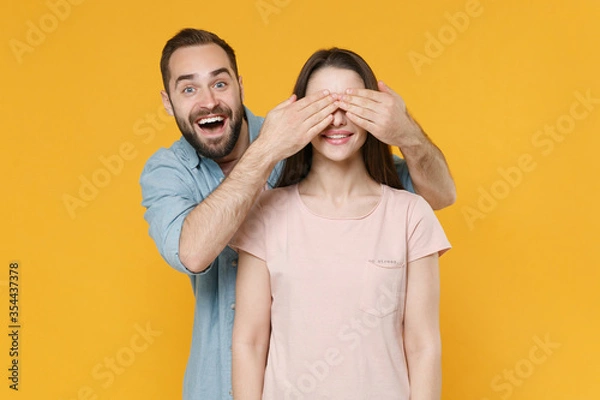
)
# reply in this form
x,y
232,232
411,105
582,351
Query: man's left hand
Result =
x,y
382,113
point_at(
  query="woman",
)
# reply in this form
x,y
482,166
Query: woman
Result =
x,y
338,282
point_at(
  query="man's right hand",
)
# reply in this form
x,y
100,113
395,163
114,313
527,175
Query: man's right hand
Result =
x,y
294,123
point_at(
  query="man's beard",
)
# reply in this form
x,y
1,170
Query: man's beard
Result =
x,y
225,144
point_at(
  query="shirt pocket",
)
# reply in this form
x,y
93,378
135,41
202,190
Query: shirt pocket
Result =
x,y
383,288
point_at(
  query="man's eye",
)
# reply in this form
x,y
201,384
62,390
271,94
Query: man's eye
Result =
x,y
188,90
220,85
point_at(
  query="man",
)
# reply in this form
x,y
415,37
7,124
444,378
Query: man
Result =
x,y
198,192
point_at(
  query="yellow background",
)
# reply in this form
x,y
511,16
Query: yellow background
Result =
x,y
524,267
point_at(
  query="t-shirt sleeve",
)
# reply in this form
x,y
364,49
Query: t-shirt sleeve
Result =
x,y
425,233
251,237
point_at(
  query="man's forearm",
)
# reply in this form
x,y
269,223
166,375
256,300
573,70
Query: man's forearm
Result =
x,y
428,169
208,228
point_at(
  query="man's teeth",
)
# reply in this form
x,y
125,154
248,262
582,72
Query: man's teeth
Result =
x,y
210,120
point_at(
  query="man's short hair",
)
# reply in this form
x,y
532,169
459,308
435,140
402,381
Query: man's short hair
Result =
x,y
192,37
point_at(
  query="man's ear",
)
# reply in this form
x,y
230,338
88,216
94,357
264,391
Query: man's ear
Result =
x,y
166,102
241,88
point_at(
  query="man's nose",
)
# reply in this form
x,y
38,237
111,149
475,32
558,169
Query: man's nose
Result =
x,y
207,99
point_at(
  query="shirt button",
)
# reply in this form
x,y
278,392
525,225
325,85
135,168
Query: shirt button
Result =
x,y
233,306
234,263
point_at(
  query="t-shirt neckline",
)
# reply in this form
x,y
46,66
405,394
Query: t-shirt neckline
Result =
x,y
307,210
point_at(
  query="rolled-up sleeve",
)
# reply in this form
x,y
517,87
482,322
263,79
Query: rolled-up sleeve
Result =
x,y
403,174
167,199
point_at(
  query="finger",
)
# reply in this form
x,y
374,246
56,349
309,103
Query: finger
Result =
x,y
320,96
360,110
318,106
286,102
320,126
366,124
388,90
368,102
317,120
367,94
385,88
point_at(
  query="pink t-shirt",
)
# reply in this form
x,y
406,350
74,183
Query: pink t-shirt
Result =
x,y
338,293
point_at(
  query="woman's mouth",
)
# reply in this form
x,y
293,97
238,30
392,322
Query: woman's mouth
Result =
x,y
337,138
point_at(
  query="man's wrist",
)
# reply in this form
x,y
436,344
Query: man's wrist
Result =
x,y
261,157
412,140
264,153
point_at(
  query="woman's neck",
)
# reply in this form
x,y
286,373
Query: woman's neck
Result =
x,y
339,189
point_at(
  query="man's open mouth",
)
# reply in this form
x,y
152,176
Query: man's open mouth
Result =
x,y
212,123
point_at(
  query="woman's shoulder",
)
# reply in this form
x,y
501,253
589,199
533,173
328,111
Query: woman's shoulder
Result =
x,y
277,193
402,194
409,200
276,197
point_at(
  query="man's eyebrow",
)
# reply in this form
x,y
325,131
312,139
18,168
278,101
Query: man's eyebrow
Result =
x,y
191,77
187,77
220,71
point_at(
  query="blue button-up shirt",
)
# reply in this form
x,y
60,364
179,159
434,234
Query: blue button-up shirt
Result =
x,y
174,181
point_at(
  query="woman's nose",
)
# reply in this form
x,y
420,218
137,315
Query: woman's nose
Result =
x,y
339,118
